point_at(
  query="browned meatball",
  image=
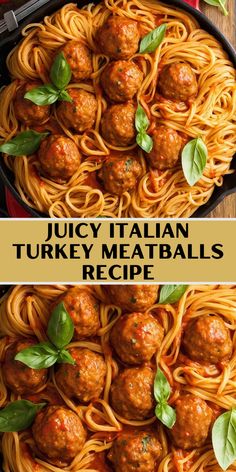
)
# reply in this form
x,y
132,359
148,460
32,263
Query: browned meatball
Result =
x,y
132,393
59,157
178,82
79,57
120,174
26,111
193,419
121,80
136,337
138,450
166,149
80,114
118,124
133,297
83,308
207,339
118,37
58,433
17,376
84,380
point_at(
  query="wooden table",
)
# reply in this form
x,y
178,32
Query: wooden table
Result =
x,y
227,209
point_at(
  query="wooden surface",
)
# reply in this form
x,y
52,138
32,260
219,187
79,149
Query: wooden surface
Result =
x,y
227,209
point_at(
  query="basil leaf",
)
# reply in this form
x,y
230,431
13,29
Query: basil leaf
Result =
x,y
24,143
43,95
171,293
194,159
166,414
64,96
220,4
144,141
141,119
64,357
162,388
152,40
18,415
40,356
60,327
224,438
60,73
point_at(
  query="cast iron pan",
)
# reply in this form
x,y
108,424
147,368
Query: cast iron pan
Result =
x,y
229,185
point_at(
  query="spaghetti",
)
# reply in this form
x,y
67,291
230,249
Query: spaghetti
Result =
x,y
159,193
24,312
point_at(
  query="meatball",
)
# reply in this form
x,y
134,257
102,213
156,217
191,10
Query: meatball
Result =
x,y
120,174
178,82
118,124
17,376
79,57
133,297
132,393
207,339
193,419
83,309
167,145
26,111
80,114
59,157
136,337
85,380
118,37
138,450
121,80
58,433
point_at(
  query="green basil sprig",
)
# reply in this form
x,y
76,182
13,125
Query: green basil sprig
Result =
x,y
60,327
152,40
60,75
141,124
18,415
23,144
164,412
224,438
171,293
220,4
194,159
60,332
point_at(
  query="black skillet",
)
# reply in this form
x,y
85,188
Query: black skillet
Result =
x,y
6,44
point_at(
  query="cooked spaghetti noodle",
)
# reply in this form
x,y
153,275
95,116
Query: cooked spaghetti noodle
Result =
x,y
159,193
24,312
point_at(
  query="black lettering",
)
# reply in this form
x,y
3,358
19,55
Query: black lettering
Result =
x,y
59,251
87,250
135,231
147,272
73,251
29,251
137,252
78,229
46,251
217,249
165,251
182,230
109,253
88,272
18,249
202,252
168,231
95,229
111,272
49,232
179,252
